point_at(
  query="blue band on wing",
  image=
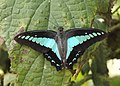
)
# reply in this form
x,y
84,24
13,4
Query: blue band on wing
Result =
x,y
47,42
76,40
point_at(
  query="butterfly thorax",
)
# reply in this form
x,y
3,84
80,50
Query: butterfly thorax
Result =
x,y
62,44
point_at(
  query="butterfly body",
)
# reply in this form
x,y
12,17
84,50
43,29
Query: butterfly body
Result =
x,y
61,48
62,45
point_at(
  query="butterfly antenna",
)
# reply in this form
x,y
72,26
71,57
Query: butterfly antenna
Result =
x,y
55,22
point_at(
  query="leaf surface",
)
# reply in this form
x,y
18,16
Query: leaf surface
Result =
x,y
18,15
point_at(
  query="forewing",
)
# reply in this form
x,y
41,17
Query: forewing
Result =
x,y
40,41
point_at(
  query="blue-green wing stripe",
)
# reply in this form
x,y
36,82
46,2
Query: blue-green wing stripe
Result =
x,y
76,40
47,42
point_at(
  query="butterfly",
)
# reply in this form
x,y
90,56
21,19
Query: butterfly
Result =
x,y
61,48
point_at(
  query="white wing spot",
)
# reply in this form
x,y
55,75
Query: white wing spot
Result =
x,y
98,33
102,32
22,37
57,65
53,61
74,59
70,63
94,34
77,53
19,36
46,54
91,35
27,37
49,57
30,38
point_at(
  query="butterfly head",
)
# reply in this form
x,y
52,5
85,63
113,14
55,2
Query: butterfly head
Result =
x,y
60,29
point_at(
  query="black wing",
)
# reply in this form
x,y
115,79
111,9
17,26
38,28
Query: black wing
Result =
x,y
42,41
79,40
23,40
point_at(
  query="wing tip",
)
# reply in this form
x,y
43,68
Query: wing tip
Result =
x,y
17,37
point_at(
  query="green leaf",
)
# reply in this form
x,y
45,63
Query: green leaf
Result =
x,y
31,67
115,81
103,5
8,78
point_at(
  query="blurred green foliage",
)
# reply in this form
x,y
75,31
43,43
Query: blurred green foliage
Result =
x,y
4,60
